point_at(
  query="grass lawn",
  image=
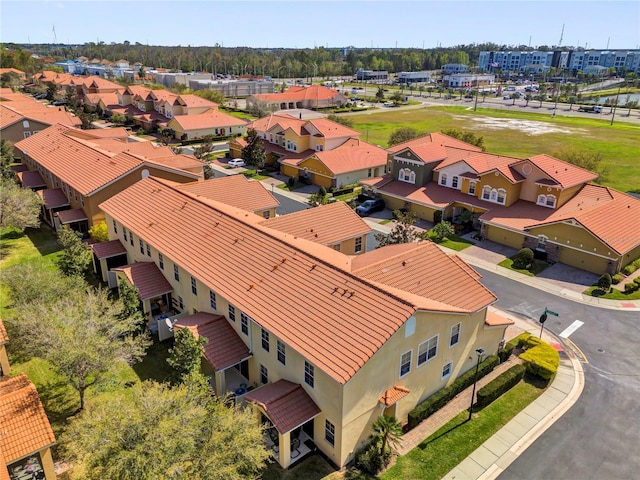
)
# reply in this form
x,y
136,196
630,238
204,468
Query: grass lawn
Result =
x,y
254,175
285,186
446,448
454,243
538,267
618,144
614,294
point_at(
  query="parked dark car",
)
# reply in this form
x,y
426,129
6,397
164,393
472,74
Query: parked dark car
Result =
x,y
370,206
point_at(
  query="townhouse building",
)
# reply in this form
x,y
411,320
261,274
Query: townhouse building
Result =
x,y
319,343
311,97
75,170
538,202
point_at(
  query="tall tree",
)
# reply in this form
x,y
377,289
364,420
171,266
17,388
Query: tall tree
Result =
x,y
401,135
19,207
186,355
159,431
76,256
83,336
254,153
346,121
465,136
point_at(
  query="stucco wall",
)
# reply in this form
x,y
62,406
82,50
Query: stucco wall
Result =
x,y
503,236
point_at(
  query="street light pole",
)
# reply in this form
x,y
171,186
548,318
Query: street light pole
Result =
x,y
615,106
480,353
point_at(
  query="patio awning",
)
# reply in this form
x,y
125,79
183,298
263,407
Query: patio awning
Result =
x,y
109,249
147,278
71,216
53,198
393,394
286,404
31,179
224,348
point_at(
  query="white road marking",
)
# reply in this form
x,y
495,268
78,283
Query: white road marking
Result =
x,y
571,328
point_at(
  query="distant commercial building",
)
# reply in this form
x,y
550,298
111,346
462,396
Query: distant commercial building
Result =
x,y
234,88
414,77
539,61
468,80
364,75
454,68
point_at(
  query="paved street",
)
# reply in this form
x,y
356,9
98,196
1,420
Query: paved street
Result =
x,y
598,437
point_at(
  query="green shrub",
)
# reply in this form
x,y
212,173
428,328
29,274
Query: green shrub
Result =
x,y
541,358
437,217
637,281
524,259
630,287
617,278
629,269
500,385
368,459
439,399
604,282
505,352
291,182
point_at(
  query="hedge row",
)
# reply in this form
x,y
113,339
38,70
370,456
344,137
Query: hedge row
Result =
x,y
505,352
632,267
541,358
500,385
439,399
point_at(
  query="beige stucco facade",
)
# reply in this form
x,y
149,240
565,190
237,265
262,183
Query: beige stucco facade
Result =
x,y
20,130
5,367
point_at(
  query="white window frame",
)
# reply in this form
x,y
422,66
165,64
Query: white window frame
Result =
x,y
443,179
405,359
213,301
194,286
232,313
444,375
309,374
358,245
542,200
176,272
330,432
281,352
426,347
472,188
455,181
553,201
486,192
501,193
458,333
264,375
161,261
265,340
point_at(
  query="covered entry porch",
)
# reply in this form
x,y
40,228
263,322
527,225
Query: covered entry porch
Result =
x,y
288,414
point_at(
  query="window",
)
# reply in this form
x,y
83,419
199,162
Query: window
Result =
x,y
141,246
369,172
244,323
455,335
232,313
25,124
542,242
329,432
265,340
542,200
454,181
27,134
405,363
502,195
115,227
358,247
493,195
180,303
82,203
412,177
472,188
130,232
551,201
336,247
282,354
308,374
176,272
266,214
194,286
264,374
486,192
212,300
443,179
148,250
446,370
161,261
427,350
124,233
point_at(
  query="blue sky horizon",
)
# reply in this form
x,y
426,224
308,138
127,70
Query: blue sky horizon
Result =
x,y
593,24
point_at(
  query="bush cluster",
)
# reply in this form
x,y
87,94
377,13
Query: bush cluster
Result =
x,y
439,399
617,278
368,459
632,286
540,358
505,352
503,383
632,267
524,259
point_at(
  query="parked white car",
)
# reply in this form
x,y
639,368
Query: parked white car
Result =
x,y
236,162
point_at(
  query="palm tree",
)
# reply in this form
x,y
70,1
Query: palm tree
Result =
x,y
386,431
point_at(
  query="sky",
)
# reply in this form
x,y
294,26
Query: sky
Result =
x,y
593,24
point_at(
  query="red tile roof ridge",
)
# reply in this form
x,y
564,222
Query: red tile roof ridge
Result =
x,y
381,255
581,175
417,301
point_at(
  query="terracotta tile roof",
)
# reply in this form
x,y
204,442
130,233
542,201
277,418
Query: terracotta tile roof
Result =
x,y
114,132
4,338
12,70
435,138
330,129
108,98
286,404
352,158
286,156
331,331
71,216
325,224
88,163
394,394
192,101
565,174
162,95
12,112
264,124
432,194
31,179
108,249
224,347
409,268
235,190
53,197
4,473
25,427
495,319
147,278
207,120
149,117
